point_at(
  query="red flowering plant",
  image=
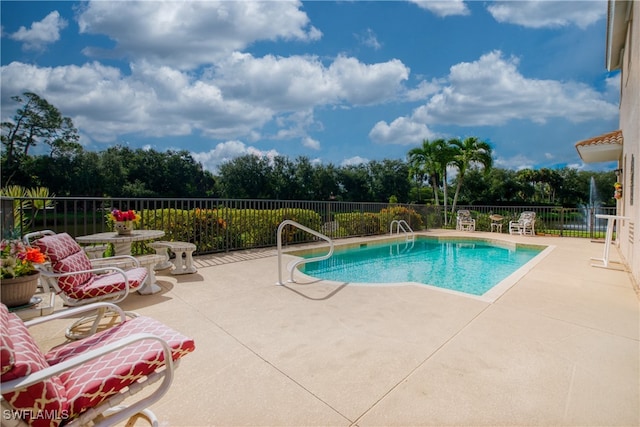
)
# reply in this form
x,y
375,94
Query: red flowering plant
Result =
x,y
118,215
18,260
122,221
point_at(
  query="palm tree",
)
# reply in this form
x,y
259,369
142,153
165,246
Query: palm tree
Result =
x,y
444,153
432,159
422,163
470,152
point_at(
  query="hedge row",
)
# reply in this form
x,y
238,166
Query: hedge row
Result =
x,y
215,230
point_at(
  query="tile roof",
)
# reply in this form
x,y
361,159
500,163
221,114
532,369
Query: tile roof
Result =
x,y
614,137
603,148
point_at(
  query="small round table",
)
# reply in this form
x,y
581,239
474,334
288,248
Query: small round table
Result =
x,y
122,246
496,223
121,242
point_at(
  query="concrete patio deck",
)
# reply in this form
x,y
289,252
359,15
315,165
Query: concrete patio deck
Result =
x,y
559,348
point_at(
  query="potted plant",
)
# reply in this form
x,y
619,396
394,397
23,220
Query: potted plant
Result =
x,y
617,192
18,274
123,221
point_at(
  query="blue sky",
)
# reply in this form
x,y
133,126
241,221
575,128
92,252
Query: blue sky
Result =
x,y
338,82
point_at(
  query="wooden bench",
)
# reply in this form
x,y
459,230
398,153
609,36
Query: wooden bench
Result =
x,y
180,266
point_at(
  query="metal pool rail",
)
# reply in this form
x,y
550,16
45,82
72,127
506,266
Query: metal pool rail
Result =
x,y
293,266
402,225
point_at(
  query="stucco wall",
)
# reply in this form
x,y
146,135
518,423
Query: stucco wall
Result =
x,y
629,238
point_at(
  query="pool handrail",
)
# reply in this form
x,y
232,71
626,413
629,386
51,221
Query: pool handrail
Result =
x,y
304,260
401,223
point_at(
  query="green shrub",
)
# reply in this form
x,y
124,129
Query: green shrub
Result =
x,y
228,228
357,224
387,215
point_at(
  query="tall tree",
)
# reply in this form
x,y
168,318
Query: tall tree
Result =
x,y
389,178
445,153
470,152
245,177
282,178
35,122
325,179
423,162
355,183
304,179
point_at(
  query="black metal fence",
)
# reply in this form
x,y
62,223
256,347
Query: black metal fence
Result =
x,y
554,220
221,225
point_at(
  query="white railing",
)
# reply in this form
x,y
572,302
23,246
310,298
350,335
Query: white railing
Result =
x,y
402,225
294,265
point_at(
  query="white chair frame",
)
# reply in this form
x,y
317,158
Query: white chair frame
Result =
x,y
525,225
109,412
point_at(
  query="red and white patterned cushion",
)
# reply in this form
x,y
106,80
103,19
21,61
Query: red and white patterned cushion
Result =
x,y
46,401
66,256
73,392
97,380
107,284
57,246
7,358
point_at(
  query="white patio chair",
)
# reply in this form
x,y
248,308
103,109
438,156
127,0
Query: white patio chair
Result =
x,y
464,221
525,225
93,381
71,275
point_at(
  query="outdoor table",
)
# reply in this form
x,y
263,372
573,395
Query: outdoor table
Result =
x,y
496,223
611,219
122,246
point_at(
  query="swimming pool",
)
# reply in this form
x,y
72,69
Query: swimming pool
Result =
x,y
470,266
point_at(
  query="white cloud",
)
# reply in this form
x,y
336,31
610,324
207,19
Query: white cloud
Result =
x,y
41,33
491,91
549,14
443,7
612,83
309,142
237,98
402,131
365,84
517,162
369,38
152,101
294,125
301,82
187,34
354,161
226,151
423,90
234,95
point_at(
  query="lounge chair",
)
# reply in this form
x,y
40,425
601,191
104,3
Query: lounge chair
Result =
x,y
76,279
84,382
464,221
525,225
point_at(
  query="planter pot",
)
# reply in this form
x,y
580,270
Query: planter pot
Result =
x,y
19,290
123,227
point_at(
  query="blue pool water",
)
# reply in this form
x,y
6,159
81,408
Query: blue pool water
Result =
x,y
470,266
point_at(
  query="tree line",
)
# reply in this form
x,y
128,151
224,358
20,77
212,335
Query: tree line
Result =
x,y
69,170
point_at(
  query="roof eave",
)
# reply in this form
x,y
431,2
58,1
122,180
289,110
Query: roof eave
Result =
x,y
617,16
603,148
600,153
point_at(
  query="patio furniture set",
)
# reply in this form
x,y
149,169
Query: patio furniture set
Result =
x,y
86,379
524,225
